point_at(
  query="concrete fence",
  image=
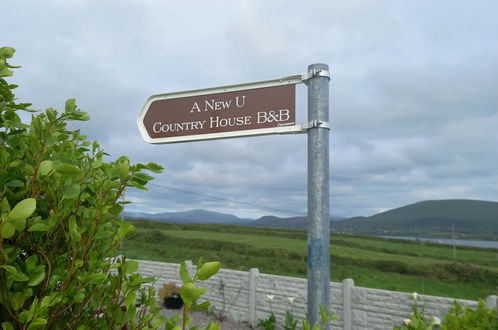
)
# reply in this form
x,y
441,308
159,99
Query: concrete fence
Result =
x,y
243,296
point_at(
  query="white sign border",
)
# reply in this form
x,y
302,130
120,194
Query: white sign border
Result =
x,y
295,79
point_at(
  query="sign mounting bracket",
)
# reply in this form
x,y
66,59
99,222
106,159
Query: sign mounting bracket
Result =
x,y
315,123
314,73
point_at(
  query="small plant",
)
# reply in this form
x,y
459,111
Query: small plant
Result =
x,y
417,320
191,293
270,322
290,322
326,317
222,313
460,318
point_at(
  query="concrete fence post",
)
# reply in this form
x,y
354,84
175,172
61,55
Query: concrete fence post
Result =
x,y
492,302
347,314
189,266
253,274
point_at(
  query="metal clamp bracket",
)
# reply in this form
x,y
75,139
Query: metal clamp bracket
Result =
x,y
314,73
315,123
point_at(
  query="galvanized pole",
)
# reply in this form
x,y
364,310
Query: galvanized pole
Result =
x,y
318,192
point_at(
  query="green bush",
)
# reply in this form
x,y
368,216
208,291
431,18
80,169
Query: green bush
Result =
x,y
460,318
60,225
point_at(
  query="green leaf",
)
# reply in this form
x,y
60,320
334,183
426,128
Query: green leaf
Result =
x,y
23,210
14,124
202,307
37,323
16,275
50,300
6,72
153,167
36,278
190,293
15,183
73,229
125,229
23,316
4,205
103,234
19,224
184,275
40,226
51,114
67,169
213,326
323,314
137,185
71,191
135,279
208,269
31,263
130,266
17,300
15,164
142,177
149,279
130,300
45,167
97,277
158,322
7,52
8,230
7,326
70,105
27,292
123,169
80,296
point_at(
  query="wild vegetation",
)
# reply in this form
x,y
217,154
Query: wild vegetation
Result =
x,y
60,228
390,264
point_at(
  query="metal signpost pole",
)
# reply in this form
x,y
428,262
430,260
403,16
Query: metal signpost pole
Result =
x,y
260,108
318,192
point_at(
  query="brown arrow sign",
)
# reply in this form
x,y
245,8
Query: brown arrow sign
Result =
x,y
231,111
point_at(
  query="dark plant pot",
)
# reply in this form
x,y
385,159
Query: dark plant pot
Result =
x,y
173,302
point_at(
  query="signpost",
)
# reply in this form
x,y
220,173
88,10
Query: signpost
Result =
x,y
260,108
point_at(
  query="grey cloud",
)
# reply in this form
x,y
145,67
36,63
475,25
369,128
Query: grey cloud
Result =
x,y
413,93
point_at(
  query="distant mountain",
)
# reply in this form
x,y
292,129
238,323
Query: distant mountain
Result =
x,y
434,218
193,216
203,216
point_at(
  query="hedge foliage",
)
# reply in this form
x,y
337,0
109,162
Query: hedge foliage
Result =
x,y
60,225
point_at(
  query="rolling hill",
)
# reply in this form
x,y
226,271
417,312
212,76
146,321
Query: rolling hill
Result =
x,y
434,218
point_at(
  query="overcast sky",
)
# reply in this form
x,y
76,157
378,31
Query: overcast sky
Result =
x,y
413,103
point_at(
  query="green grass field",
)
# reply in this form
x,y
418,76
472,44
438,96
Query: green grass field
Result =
x,y
390,264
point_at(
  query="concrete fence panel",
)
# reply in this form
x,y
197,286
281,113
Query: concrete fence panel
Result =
x,y
245,296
